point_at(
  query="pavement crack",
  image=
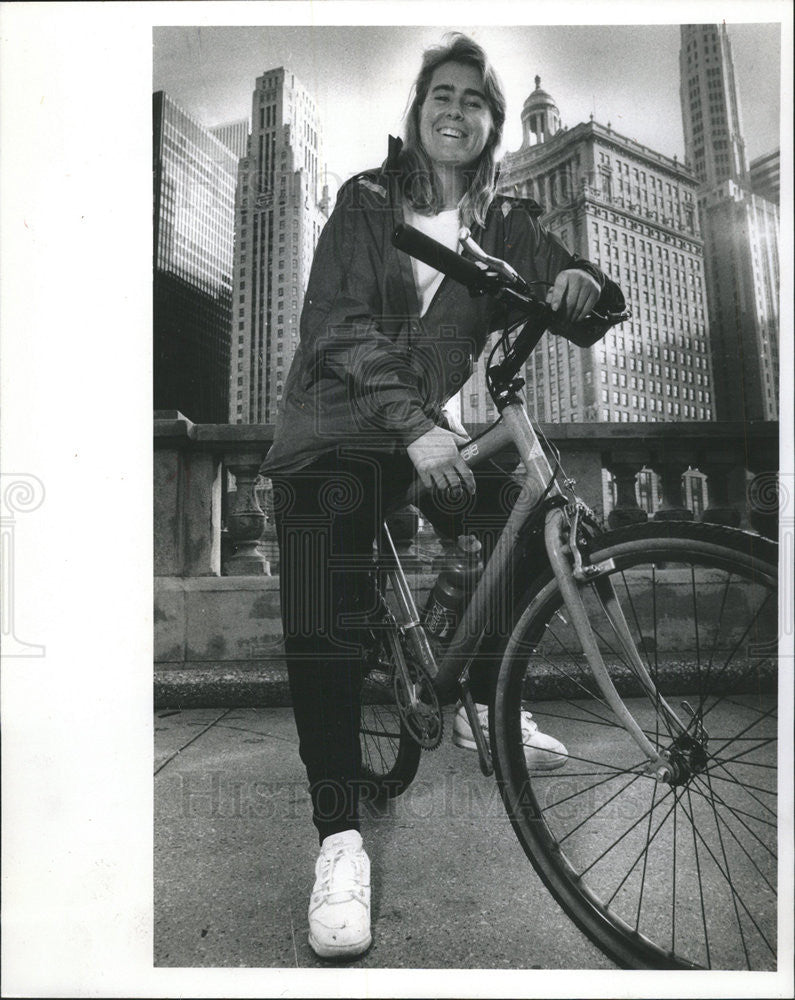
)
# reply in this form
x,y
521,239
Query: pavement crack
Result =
x,y
191,740
257,732
292,932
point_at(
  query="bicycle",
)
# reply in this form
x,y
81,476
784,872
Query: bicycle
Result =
x,y
649,651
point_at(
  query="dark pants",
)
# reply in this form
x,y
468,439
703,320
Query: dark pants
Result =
x,y
327,517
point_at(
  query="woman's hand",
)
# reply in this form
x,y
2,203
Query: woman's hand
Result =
x,y
573,295
437,461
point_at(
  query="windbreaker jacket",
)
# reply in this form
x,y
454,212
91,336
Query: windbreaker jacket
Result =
x,y
368,371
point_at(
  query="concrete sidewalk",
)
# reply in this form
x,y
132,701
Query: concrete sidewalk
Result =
x,y
235,850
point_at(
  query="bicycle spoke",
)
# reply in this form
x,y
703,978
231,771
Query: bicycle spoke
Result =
x,y
626,833
718,633
722,765
726,877
380,734
733,652
754,722
617,771
744,753
747,763
597,720
630,668
695,631
646,857
644,853
700,885
577,683
736,813
569,677
587,788
673,878
748,708
607,802
635,616
742,812
728,874
745,851
371,746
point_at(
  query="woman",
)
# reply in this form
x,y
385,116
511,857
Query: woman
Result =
x,y
385,342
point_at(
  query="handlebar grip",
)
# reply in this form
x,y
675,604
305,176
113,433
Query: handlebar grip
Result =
x,y
438,256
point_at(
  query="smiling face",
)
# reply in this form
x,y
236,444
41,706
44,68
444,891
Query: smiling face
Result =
x,y
455,120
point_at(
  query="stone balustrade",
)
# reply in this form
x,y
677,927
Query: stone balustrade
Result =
x,y
217,625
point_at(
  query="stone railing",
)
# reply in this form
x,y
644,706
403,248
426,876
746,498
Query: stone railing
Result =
x,y
216,560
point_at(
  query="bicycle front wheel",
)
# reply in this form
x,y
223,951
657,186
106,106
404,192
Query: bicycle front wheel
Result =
x,y
672,871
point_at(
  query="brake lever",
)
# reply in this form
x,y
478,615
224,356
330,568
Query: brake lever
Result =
x,y
491,263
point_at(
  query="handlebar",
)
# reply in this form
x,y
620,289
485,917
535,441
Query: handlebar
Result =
x,y
488,275
436,255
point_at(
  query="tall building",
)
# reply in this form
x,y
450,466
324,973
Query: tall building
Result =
x,y
765,174
194,212
278,217
711,115
632,211
234,135
740,231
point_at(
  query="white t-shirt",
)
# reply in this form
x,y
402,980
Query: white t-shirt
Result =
x,y
443,228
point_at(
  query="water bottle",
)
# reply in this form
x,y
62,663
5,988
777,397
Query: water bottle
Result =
x,y
452,589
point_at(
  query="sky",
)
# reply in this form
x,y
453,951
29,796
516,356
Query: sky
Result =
x,y
360,77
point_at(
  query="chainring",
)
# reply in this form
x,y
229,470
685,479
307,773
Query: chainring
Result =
x,y
423,720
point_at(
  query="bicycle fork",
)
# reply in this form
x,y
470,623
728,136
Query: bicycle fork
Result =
x,y
561,556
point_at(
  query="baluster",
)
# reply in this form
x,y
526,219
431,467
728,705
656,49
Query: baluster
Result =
x,y
670,470
720,511
246,521
626,510
269,545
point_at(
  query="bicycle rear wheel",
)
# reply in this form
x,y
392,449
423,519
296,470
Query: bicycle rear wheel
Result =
x,y
675,873
390,757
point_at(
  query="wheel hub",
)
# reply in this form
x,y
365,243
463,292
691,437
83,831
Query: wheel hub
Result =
x,y
687,755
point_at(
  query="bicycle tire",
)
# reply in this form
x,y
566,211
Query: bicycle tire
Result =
x,y
699,892
389,756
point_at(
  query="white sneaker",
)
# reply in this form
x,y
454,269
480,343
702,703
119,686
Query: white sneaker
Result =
x,y
542,752
339,907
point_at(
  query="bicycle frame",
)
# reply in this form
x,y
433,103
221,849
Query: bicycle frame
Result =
x,y
560,542
497,278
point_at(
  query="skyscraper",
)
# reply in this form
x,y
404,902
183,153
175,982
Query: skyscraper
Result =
x,y
740,231
765,172
234,135
194,199
278,218
632,211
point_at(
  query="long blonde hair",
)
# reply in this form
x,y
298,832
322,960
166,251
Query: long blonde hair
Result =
x,y
420,184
